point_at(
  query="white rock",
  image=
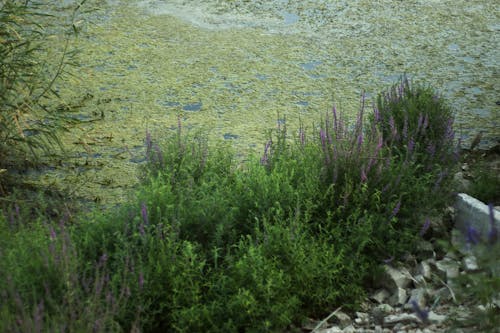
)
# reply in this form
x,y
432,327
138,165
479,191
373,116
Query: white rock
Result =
x,y
436,318
472,212
449,267
403,318
469,263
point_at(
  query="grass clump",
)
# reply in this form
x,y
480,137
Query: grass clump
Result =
x,y
31,112
214,245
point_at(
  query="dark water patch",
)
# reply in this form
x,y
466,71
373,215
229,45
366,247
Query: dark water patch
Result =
x,y
193,107
230,136
302,103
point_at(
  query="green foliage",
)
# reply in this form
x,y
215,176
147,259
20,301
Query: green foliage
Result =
x,y
28,123
480,290
214,245
485,184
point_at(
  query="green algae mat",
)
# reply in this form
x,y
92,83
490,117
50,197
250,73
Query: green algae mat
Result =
x,y
237,69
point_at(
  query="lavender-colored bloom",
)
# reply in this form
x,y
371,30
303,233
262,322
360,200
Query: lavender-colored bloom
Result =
x,y
420,122
425,227
473,237
411,145
322,136
360,140
405,128
426,123
363,176
394,131
159,154
302,136
264,160
53,235
395,211
335,121
144,213
493,233
431,149
421,313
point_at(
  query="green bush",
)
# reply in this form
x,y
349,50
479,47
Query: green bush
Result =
x,y
214,245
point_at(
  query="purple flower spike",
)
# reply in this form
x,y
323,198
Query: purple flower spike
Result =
x,y
425,227
411,145
395,211
473,237
363,176
144,213
422,314
493,233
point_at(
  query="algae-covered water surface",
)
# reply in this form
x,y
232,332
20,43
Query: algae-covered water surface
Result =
x,y
239,68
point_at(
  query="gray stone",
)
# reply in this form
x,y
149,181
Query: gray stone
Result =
x,y
436,318
362,318
424,268
380,295
448,267
463,184
419,280
474,213
402,318
399,297
419,296
343,319
396,278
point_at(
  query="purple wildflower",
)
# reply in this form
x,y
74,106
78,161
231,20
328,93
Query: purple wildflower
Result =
x,y
264,160
405,128
431,149
411,145
425,227
144,213
159,154
493,233
394,131
335,121
395,211
363,176
421,313
420,122
53,235
360,140
473,237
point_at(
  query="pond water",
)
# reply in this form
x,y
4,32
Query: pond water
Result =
x,y
239,68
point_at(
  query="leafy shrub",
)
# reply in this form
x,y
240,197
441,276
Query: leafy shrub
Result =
x,y
212,245
28,124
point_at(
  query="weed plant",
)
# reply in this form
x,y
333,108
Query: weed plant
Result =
x,y
480,289
28,122
214,245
